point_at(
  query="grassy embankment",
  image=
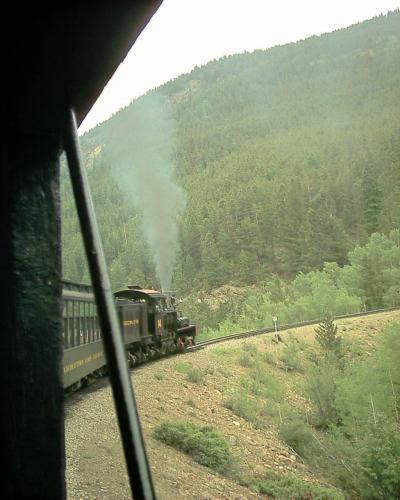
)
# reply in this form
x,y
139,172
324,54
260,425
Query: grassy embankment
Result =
x,y
332,403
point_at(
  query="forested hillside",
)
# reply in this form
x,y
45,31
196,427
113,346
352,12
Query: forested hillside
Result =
x,y
266,163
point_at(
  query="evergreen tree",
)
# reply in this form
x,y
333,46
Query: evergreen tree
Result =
x,y
372,199
326,334
288,158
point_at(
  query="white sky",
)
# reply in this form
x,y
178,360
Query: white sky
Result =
x,y
186,33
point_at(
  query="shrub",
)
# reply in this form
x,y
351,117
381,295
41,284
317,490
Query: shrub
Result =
x,y
297,435
327,337
288,486
359,408
290,358
250,348
195,375
338,459
321,387
269,358
182,367
244,406
380,463
246,361
206,445
263,384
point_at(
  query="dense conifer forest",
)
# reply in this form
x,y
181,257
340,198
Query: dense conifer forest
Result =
x,y
256,166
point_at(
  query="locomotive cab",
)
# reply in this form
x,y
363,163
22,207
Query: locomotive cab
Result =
x,y
163,329
151,303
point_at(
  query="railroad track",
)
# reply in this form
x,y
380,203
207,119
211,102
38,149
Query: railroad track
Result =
x,y
289,326
96,383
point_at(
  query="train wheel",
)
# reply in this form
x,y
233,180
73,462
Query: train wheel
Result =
x,y
132,359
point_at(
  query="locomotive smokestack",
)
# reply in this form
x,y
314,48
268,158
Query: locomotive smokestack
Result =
x,y
169,297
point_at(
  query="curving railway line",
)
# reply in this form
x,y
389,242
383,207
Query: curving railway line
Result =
x,y
289,326
240,335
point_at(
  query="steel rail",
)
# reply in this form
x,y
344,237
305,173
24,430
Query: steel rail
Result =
x,y
247,334
131,433
289,326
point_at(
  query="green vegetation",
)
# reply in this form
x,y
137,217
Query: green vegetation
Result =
x,y
352,433
183,367
204,444
193,374
298,436
263,384
245,406
328,339
335,290
284,486
208,447
288,158
259,393
344,426
290,357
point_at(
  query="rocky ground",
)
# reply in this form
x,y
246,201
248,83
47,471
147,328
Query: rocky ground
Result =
x,y
95,465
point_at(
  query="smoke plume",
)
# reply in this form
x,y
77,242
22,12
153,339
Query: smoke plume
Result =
x,y
142,157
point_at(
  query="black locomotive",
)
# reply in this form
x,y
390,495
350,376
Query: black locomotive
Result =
x,y
151,326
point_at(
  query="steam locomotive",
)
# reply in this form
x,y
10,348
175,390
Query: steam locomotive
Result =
x,y
151,327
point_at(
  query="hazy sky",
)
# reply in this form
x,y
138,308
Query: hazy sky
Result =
x,y
186,33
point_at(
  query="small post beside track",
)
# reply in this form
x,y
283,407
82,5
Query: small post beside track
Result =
x,y
275,320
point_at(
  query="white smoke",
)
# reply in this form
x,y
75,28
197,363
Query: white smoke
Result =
x,y
142,154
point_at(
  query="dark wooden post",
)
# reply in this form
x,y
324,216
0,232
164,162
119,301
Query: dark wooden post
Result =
x,y
31,395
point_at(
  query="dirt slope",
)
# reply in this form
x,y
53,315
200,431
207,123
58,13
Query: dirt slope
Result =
x,y
166,390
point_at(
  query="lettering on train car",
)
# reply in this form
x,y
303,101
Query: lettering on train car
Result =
x,y
81,362
131,322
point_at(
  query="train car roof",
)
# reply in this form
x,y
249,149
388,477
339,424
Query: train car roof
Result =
x,y
68,51
141,294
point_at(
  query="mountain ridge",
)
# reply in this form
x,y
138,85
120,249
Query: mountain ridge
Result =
x,y
288,157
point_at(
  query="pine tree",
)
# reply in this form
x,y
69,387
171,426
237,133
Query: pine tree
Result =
x,y
326,334
372,198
